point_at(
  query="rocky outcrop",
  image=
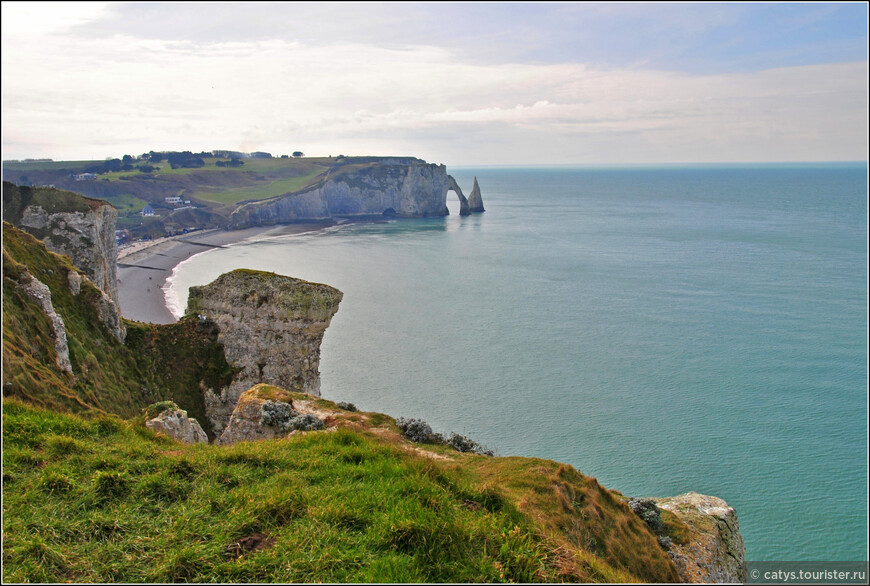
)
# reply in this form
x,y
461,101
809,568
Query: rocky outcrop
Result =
x,y
463,202
110,316
268,412
175,423
40,293
713,551
271,328
107,312
408,188
87,238
475,201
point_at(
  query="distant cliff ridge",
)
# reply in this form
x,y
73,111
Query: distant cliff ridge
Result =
x,y
401,188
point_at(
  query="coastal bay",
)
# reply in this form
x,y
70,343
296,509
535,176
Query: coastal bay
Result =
x,y
143,267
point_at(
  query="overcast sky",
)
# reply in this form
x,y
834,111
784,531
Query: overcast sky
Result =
x,y
454,83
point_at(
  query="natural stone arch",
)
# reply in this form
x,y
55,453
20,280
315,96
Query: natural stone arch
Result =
x,y
464,210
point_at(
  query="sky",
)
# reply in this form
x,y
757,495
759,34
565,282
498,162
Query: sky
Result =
x,y
462,84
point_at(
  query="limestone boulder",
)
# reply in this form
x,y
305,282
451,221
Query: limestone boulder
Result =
x,y
175,423
268,412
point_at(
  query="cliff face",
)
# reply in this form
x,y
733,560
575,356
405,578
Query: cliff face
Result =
x,y
404,188
271,328
81,228
713,550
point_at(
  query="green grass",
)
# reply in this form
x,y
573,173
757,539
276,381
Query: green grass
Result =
x,y
273,189
107,501
270,176
126,203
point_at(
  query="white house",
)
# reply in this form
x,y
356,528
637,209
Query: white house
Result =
x,y
86,177
173,200
147,211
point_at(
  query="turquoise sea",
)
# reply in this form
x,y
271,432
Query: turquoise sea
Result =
x,y
663,329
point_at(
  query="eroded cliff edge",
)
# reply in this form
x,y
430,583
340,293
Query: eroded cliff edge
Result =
x,y
408,188
270,326
712,548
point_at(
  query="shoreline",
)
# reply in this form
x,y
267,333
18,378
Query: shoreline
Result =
x,y
144,267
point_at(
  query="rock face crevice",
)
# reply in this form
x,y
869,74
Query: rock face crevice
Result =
x,y
714,551
407,188
271,328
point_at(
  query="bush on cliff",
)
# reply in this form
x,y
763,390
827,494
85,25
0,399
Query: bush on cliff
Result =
x,y
460,443
415,430
647,510
276,414
421,432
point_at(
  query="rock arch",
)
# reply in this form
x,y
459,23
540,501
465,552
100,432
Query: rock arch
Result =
x,y
464,210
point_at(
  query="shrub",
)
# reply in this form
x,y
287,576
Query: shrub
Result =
x,y
666,543
155,409
415,430
460,443
276,414
306,422
647,510
347,406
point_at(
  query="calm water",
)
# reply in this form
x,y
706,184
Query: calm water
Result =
x,y
661,329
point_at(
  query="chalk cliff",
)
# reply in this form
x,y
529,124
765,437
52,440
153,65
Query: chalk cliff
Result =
x,y
270,327
409,188
475,201
712,550
40,293
79,227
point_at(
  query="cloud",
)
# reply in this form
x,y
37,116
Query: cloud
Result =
x,y
98,93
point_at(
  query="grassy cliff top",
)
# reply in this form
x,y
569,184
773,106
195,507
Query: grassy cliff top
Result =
x,y
17,198
252,288
113,502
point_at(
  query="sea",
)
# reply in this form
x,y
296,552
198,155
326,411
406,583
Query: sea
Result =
x,y
664,329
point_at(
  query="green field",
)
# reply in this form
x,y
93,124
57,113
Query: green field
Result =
x,y
126,203
270,176
276,188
